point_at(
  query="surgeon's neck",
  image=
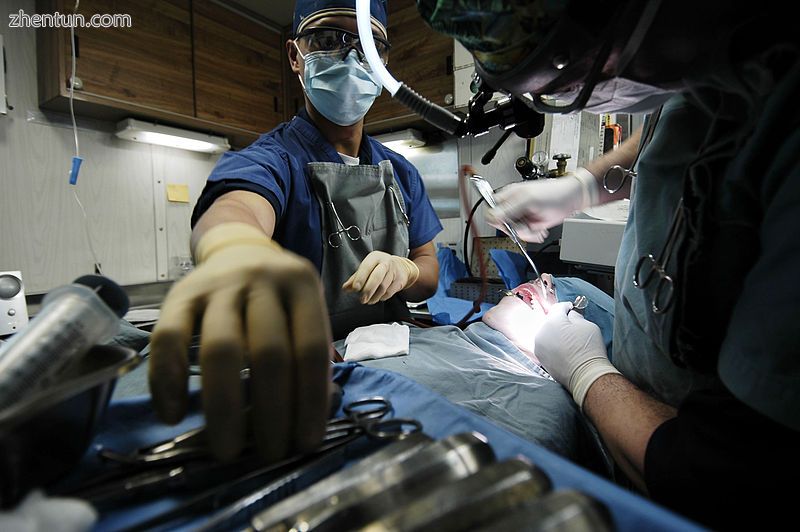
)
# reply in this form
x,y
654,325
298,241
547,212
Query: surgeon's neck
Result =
x,y
345,139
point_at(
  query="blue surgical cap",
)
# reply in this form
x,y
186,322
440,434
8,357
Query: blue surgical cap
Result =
x,y
306,11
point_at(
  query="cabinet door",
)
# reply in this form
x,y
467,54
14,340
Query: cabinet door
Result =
x,y
237,69
420,57
148,65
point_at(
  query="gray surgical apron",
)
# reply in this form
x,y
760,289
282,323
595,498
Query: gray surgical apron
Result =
x,y
367,197
642,338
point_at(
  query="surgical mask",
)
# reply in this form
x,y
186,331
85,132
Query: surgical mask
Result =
x,y
620,95
341,89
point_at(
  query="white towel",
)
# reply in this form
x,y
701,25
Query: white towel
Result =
x,y
39,513
376,341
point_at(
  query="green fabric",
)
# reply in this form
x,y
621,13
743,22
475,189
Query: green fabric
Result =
x,y
499,33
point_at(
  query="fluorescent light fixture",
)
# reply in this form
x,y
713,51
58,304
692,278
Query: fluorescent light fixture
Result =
x,y
172,137
402,140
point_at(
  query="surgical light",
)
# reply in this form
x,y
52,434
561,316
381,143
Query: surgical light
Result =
x,y
172,137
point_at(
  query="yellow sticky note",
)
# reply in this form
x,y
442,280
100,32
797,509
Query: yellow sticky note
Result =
x,y
178,193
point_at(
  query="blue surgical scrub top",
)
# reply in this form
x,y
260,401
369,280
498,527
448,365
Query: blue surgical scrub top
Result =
x,y
274,167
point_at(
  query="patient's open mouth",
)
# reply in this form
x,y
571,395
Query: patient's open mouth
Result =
x,y
531,294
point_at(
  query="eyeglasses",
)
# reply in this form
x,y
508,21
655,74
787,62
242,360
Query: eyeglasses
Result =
x,y
330,39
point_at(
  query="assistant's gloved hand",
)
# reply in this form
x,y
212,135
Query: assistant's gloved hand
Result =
x,y
572,350
259,304
533,207
380,276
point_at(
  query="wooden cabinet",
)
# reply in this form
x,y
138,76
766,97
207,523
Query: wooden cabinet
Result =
x,y
292,90
238,69
200,65
148,65
187,63
419,57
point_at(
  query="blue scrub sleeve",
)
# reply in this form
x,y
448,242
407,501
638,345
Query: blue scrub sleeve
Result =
x,y
260,164
424,224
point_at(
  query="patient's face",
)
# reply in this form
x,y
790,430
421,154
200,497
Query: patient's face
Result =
x,y
520,316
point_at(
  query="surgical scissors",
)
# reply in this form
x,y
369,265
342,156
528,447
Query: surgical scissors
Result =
x,y
625,173
665,288
364,416
335,238
185,463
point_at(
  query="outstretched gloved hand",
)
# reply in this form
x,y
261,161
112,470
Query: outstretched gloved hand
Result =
x,y
380,276
572,350
533,207
257,304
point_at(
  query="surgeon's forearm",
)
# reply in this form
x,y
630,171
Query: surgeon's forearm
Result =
x,y
428,279
237,206
623,156
626,418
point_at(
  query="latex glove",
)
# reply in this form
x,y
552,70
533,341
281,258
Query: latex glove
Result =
x,y
533,207
380,276
258,302
572,350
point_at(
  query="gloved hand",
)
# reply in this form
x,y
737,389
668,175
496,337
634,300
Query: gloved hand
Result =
x,y
533,207
257,304
572,350
380,276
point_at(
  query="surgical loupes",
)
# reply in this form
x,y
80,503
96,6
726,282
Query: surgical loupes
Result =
x,y
487,193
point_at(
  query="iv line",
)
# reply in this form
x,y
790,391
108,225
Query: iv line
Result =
x,y
73,57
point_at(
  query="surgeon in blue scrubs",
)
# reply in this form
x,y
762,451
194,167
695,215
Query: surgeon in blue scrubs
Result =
x,y
313,230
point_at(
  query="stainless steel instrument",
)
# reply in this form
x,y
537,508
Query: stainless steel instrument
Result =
x,y
359,494
564,510
480,499
487,193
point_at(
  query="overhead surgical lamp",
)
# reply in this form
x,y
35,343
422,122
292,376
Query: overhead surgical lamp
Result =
x,y
172,137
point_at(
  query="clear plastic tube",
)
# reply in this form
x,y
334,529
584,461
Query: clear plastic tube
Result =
x,y
73,318
368,43
432,113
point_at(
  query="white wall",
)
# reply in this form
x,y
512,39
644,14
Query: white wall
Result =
x,y
135,230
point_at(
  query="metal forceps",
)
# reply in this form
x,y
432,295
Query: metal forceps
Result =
x,y
185,462
649,267
487,193
335,238
624,173
365,416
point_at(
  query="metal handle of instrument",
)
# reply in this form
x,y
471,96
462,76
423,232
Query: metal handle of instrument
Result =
x,y
335,502
479,499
